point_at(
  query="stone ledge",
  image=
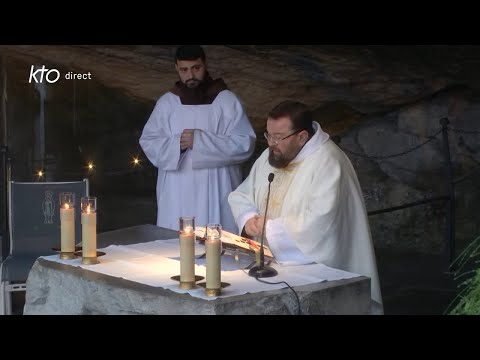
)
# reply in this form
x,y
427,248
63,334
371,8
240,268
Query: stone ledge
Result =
x,y
54,288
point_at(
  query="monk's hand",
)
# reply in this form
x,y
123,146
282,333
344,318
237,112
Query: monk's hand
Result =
x,y
186,139
251,227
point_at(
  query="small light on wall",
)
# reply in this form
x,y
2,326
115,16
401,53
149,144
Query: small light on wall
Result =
x,y
40,175
136,161
90,166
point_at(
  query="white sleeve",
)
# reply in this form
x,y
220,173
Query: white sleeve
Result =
x,y
234,146
162,149
242,219
282,245
242,199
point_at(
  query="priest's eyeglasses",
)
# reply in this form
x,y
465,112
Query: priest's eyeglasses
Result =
x,y
275,141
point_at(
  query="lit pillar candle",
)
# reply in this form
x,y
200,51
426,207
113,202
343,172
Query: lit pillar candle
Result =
x,y
67,222
213,250
89,227
187,249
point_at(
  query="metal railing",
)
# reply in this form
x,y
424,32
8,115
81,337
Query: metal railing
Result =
x,y
3,201
450,182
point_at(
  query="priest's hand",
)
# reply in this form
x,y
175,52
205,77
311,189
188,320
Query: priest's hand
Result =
x,y
186,139
253,226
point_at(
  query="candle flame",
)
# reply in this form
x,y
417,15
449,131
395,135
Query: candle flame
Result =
x,y
188,229
213,233
88,209
67,206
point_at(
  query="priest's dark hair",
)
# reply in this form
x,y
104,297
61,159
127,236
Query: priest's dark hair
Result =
x,y
189,52
300,115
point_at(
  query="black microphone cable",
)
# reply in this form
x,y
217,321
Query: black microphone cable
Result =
x,y
299,309
237,260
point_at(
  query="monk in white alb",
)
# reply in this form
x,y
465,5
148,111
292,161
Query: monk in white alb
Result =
x,y
197,136
316,212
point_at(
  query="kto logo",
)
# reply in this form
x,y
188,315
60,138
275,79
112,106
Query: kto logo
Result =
x,y
51,75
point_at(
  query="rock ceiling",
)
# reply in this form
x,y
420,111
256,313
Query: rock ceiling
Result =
x,y
343,82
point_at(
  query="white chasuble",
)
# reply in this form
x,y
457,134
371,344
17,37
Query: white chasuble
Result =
x,y
318,211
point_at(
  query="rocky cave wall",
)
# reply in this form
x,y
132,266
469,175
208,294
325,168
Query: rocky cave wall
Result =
x,y
379,100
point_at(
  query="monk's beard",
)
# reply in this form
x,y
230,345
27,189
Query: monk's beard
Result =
x,y
281,160
193,83
278,160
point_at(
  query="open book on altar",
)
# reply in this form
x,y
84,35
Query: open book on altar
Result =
x,y
232,242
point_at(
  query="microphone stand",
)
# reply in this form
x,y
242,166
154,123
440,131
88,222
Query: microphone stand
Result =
x,y
262,270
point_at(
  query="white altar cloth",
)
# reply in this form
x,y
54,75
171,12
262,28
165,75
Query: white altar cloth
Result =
x,y
154,263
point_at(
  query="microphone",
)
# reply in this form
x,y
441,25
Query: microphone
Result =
x,y
262,270
270,178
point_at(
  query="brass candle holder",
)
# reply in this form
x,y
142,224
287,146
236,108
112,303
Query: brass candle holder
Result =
x,y
213,292
67,255
187,285
91,260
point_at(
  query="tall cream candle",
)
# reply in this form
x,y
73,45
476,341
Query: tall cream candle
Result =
x,y
67,229
213,249
89,227
187,254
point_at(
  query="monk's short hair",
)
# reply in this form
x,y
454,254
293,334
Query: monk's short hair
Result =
x,y
300,115
189,52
